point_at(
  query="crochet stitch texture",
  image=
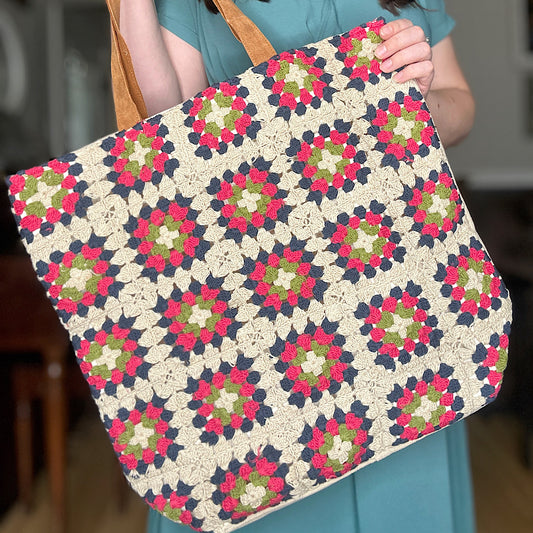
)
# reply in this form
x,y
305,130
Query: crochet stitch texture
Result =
x,y
269,285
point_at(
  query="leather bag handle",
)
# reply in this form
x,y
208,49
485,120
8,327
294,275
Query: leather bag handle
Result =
x,y
129,103
257,46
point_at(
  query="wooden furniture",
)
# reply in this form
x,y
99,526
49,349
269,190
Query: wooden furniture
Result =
x,y
28,323
504,219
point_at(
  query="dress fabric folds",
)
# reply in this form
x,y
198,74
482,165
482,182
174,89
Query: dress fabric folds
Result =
x,y
427,486
424,487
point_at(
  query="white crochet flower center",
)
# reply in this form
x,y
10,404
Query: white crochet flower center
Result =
x,y
139,154
200,316
78,279
141,436
253,495
226,400
340,450
284,278
313,364
166,236
249,200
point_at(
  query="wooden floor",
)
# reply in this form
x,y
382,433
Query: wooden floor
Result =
x,y
503,487
93,488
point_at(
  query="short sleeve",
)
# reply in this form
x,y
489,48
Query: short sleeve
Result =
x,y
439,21
181,18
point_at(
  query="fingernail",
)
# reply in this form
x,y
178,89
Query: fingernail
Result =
x,y
381,50
387,63
384,31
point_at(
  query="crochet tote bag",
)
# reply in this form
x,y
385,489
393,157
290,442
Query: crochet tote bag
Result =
x,y
269,285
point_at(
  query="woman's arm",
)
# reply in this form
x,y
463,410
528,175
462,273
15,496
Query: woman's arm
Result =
x,y
437,72
160,59
169,70
450,99
187,63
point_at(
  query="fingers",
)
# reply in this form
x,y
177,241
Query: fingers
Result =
x,y
421,71
415,53
401,33
389,29
405,47
406,44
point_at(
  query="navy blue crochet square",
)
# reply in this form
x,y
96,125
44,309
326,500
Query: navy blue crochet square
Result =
x,y
60,196
435,206
297,80
175,503
328,160
284,279
472,283
227,400
335,446
111,356
80,278
402,127
144,436
313,363
364,241
220,116
261,471
197,317
423,406
138,156
399,325
492,361
249,199
355,50
167,237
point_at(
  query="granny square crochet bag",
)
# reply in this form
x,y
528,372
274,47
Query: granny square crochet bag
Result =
x,y
269,285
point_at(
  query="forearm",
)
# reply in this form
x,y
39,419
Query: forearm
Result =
x,y
452,110
156,77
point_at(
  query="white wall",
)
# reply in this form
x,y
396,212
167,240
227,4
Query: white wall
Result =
x,y
498,152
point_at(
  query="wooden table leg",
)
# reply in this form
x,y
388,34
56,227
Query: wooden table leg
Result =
x,y
55,419
24,392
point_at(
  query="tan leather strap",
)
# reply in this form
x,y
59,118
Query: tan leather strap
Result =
x,y
257,46
129,103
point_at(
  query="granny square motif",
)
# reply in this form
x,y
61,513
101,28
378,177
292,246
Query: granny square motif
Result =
x,y
270,285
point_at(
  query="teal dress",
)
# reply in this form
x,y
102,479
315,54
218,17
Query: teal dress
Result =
x,y
426,486
286,24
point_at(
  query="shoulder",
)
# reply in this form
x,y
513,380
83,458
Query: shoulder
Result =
x,y
185,11
181,17
439,21
438,5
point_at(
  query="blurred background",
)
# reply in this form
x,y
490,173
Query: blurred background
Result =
x,y
57,467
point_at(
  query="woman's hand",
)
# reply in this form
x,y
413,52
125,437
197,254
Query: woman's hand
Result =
x,y
437,71
405,45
